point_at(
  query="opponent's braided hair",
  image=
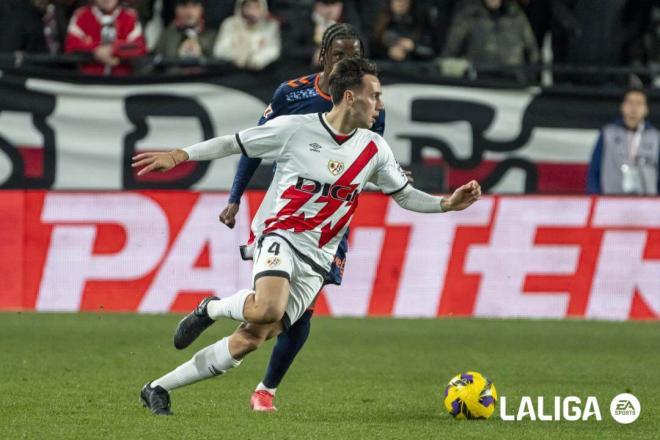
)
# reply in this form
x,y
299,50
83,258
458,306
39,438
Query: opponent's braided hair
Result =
x,y
338,31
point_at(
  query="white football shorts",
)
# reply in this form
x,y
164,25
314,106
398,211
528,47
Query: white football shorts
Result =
x,y
274,256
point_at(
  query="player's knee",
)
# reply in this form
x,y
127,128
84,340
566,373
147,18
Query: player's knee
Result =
x,y
271,295
271,314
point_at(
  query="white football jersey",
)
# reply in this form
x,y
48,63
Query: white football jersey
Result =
x,y
318,180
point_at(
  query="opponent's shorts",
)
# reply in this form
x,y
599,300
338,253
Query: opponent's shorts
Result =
x,y
274,256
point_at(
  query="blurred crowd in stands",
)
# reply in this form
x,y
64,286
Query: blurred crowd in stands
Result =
x,y
251,34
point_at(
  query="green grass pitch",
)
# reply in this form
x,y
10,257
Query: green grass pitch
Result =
x,y
79,375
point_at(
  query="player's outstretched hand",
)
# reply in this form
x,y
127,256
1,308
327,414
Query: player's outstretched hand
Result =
x,y
463,197
158,161
228,215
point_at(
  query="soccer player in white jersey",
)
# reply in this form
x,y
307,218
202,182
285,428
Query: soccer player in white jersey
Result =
x,y
324,162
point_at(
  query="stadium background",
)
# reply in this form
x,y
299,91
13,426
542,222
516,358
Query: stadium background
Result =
x,y
80,232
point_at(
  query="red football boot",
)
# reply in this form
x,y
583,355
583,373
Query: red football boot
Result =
x,y
262,400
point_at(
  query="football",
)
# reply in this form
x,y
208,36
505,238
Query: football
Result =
x,y
470,395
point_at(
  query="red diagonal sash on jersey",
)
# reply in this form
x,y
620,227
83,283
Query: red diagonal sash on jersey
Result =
x,y
285,218
328,232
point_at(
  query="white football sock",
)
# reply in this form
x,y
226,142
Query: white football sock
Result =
x,y
207,362
262,387
230,307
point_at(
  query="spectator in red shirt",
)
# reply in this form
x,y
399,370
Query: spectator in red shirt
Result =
x,y
111,33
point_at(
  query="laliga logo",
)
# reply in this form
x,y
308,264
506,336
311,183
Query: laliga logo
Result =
x,y
567,408
625,409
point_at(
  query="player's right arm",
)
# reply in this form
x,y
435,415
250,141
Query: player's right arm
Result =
x,y
248,166
215,148
265,141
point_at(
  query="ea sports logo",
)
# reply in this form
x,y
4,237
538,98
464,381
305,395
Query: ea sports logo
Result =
x,y
625,408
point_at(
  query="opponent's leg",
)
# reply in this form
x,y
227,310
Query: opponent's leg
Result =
x,y
286,348
211,361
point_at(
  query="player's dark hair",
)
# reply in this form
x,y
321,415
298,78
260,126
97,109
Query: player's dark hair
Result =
x,y
338,31
347,74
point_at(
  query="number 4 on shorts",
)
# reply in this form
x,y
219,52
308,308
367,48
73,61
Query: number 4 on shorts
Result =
x,y
274,248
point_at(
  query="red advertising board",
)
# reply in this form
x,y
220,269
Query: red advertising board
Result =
x,y
160,251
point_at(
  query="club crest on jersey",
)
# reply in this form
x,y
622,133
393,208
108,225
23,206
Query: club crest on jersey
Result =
x,y
273,261
335,167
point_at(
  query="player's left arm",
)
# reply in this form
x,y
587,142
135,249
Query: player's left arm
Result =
x,y
393,181
413,199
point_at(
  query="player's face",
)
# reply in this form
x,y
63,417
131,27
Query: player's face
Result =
x,y
341,49
367,103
